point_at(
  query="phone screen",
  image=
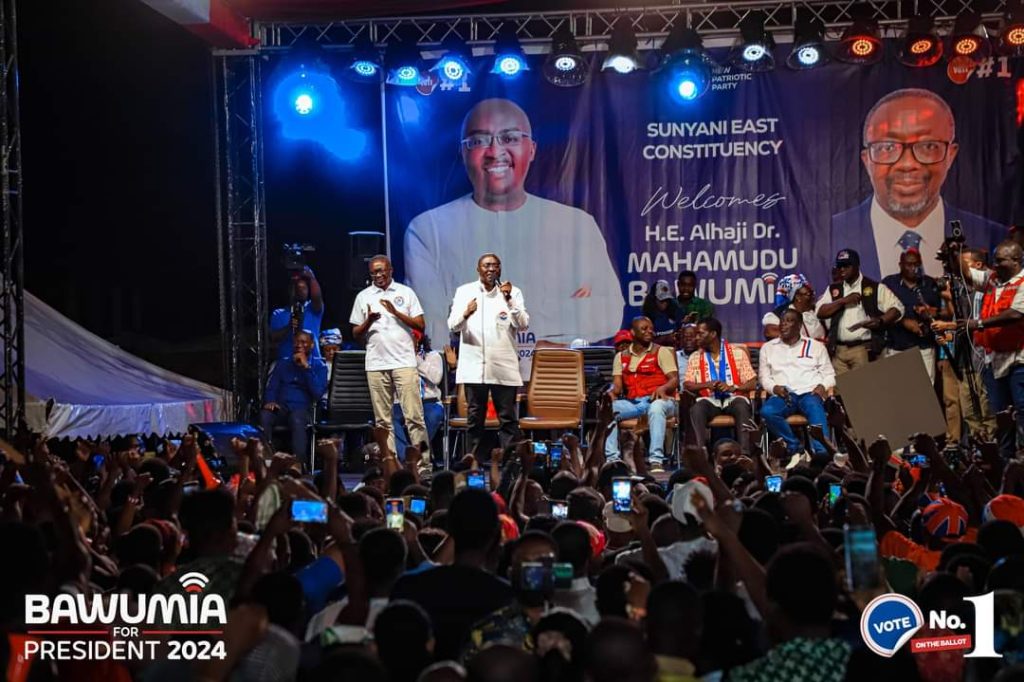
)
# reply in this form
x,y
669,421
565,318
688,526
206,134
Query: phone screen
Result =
x,y
860,547
309,511
622,494
394,512
477,479
559,509
835,490
563,575
176,442
773,484
535,577
555,454
97,460
918,461
418,505
540,448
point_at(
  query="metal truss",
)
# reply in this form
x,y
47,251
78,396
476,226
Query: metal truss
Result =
x,y
12,281
711,19
241,228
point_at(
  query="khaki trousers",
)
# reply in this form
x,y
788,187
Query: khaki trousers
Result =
x,y
404,383
849,357
956,399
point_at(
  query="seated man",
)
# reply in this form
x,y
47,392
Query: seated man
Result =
x,y
294,387
797,374
646,374
431,370
721,375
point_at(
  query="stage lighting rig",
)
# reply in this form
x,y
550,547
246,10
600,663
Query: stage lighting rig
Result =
x,y
453,66
860,43
686,68
622,55
969,37
365,63
808,49
921,45
565,66
753,51
1011,38
509,60
405,65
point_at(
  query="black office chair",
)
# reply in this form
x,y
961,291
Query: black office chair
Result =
x,y
348,399
597,374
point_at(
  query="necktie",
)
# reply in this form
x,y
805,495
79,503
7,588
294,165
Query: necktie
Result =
x,y
910,240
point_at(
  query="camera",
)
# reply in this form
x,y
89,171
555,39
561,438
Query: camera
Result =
x,y
294,256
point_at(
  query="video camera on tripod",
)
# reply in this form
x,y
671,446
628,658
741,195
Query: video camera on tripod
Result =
x,y
295,256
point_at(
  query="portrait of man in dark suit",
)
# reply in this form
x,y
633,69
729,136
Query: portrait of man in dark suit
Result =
x,y
909,145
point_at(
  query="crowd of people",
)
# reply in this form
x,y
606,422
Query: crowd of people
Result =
x,y
603,560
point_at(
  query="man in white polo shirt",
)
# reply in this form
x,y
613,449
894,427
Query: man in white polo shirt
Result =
x,y
797,374
384,315
487,314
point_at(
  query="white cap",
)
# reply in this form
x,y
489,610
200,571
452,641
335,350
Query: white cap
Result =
x,y
681,503
614,521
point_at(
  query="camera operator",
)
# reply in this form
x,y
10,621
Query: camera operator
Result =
x,y
999,329
306,311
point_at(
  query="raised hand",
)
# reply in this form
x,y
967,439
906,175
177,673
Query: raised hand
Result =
x,y
371,316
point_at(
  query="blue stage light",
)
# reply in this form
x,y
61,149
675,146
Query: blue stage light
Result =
x,y
407,75
453,69
689,75
687,88
509,64
303,103
364,68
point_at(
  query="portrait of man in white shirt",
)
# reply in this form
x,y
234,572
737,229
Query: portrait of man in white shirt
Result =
x,y
559,250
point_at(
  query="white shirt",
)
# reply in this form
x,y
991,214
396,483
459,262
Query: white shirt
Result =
x,y
812,328
554,251
888,231
389,342
581,597
1002,362
800,367
431,371
855,313
487,342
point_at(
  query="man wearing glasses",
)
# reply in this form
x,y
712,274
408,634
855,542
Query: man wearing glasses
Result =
x,y
555,249
909,147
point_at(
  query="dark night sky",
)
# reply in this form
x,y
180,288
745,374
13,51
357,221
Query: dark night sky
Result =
x,y
119,175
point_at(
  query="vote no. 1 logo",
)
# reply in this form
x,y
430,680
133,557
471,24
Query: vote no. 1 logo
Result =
x,y
888,622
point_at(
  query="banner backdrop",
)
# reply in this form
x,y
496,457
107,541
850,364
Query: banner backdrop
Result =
x,y
761,177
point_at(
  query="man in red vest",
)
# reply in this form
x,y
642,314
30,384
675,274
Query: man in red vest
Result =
x,y
1000,330
644,381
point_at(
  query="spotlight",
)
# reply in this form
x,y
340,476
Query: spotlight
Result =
x,y
860,43
404,65
921,46
622,55
969,37
686,67
303,104
453,66
565,66
808,49
509,60
365,63
753,52
1012,36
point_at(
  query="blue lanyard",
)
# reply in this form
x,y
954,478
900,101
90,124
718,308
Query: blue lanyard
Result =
x,y
721,368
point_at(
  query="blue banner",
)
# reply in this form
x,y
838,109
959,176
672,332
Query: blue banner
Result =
x,y
615,185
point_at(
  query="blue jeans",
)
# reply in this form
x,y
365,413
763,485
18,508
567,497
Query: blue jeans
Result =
x,y
297,420
433,415
1009,390
775,410
657,411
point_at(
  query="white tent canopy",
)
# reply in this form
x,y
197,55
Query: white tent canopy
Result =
x,y
99,390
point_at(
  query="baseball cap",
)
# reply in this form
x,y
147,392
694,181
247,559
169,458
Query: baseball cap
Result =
x,y
1007,508
847,257
662,291
621,336
682,504
331,337
944,518
615,522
